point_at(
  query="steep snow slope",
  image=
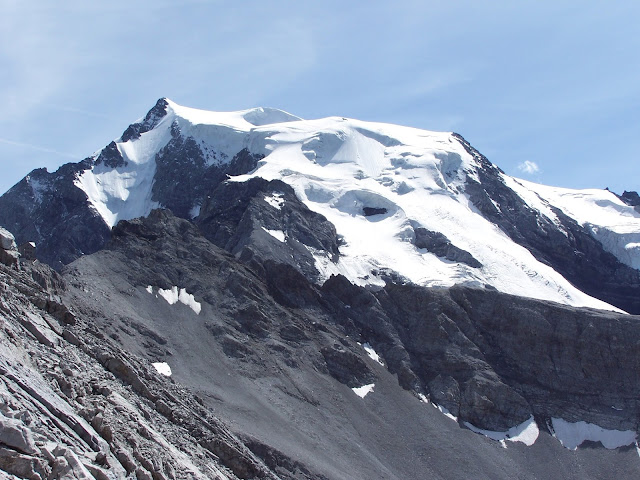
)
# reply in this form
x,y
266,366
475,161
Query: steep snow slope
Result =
x,y
614,223
125,192
379,184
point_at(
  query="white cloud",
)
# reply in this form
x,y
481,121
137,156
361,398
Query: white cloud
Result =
x,y
529,167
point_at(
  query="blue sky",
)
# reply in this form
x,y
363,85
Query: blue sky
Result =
x,y
548,91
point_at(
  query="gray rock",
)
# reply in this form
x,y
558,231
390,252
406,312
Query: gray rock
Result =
x,y
7,240
22,466
16,435
347,367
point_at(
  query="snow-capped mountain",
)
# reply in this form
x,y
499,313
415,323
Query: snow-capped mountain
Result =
x,y
329,298
424,207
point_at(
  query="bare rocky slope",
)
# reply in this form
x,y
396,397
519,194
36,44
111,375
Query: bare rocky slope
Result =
x,y
74,404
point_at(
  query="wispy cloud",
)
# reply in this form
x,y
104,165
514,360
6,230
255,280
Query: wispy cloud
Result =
x,y
529,167
38,148
79,111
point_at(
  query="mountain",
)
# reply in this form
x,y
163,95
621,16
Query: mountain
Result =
x,y
315,288
422,206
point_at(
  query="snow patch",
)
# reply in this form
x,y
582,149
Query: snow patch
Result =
x,y
572,435
195,211
364,390
277,234
175,295
372,353
527,432
446,412
162,368
276,200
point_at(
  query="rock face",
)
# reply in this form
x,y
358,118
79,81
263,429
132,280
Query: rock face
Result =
x,y
266,219
436,242
9,254
631,198
48,209
185,172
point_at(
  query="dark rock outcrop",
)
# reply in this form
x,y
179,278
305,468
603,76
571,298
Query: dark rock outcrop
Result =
x,y
239,218
151,119
50,210
440,245
370,211
110,157
632,199
185,173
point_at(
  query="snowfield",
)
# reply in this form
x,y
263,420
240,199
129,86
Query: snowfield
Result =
x,y
615,224
409,178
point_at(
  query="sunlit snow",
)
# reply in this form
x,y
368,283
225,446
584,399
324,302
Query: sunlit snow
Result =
x,y
175,295
572,435
364,390
527,432
276,200
446,412
277,234
372,353
162,368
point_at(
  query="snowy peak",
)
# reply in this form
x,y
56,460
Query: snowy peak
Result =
x,y
409,205
266,116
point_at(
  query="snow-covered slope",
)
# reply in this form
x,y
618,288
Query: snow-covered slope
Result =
x,y
125,192
614,223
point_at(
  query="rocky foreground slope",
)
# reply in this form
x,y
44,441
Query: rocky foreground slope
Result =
x,y
74,404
